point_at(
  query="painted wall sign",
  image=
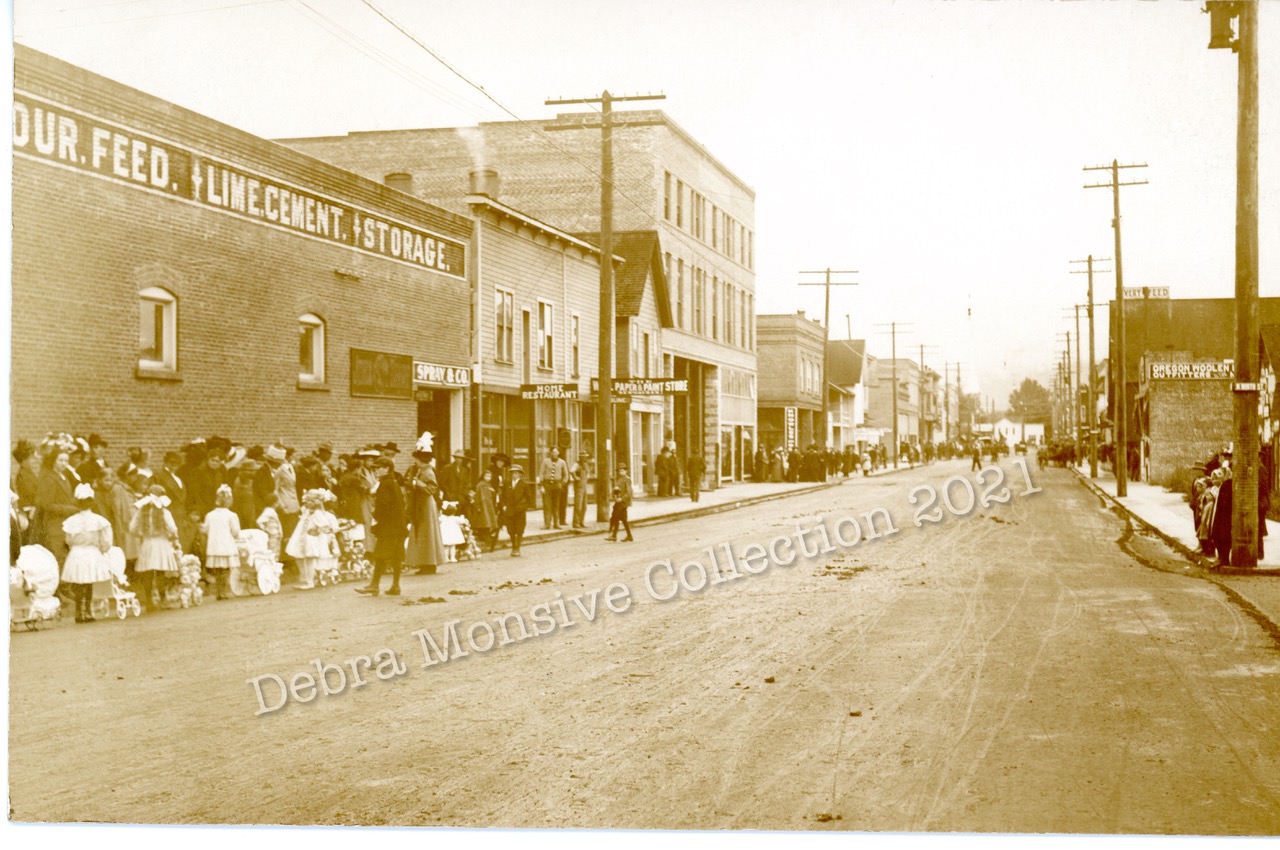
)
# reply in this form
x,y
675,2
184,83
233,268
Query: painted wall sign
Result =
x,y
435,375
660,386
49,132
548,392
1180,371
1152,292
376,374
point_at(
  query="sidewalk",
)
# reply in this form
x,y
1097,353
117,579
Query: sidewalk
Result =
x,y
648,510
1167,515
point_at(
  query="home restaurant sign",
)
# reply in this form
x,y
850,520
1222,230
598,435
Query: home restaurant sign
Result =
x,y
48,132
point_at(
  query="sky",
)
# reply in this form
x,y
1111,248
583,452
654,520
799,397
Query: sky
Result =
x,y
935,147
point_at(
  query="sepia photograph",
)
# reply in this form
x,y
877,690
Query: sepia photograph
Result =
x,y
577,421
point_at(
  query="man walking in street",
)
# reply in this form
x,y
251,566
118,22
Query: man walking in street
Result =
x,y
554,477
695,468
516,501
621,504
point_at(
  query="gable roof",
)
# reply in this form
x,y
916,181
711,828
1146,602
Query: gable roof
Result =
x,y
845,358
641,252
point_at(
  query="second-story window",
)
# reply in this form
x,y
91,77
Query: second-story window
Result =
x,y
546,335
504,325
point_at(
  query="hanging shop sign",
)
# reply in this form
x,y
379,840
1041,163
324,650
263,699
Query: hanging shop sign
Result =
x,y
1194,371
376,374
790,434
548,392
659,386
63,136
435,375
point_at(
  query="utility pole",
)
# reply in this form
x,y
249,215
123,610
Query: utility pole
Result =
x,y
1093,372
1245,464
826,343
893,333
1120,416
604,395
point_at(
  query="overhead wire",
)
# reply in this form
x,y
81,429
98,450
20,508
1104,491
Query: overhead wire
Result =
x,y
541,135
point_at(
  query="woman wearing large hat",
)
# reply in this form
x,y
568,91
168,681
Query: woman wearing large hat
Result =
x,y
425,550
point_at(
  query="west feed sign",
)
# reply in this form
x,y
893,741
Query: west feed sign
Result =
x,y
59,135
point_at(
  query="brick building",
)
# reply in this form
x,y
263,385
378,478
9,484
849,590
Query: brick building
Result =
x,y
790,399
666,182
174,277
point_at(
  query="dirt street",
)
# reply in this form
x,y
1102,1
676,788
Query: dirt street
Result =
x,y
1011,670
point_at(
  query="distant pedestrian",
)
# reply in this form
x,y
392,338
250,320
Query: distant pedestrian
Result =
x,y
695,468
581,474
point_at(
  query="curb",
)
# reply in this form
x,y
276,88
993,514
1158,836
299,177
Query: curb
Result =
x,y
695,513
1212,573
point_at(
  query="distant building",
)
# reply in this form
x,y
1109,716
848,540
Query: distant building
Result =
x,y
666,182
790,399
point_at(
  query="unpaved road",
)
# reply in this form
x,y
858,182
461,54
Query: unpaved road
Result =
x,y
1013,670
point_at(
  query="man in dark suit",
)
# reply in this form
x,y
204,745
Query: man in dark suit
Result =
x,y
695,468
390,528
176,489
517,501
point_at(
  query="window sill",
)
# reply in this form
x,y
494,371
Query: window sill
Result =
x,y
312,386
156,373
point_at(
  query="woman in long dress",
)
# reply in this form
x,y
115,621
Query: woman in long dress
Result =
x,y
88,539
425,550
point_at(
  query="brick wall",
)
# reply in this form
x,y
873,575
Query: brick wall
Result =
x,y
84,245
1189,421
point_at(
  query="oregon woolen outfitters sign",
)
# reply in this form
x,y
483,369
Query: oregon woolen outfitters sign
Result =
x,y
62,136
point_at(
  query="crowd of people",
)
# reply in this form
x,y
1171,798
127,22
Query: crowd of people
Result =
x,y
1210,500
67,498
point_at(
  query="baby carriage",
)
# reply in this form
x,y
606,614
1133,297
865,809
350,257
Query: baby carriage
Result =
x,y
352,563
259,570
32,583
115,590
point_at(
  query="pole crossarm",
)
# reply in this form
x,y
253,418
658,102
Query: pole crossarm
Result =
x,y
605,364
826,332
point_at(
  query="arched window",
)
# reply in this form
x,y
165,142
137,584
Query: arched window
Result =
x,y
311,348
157,329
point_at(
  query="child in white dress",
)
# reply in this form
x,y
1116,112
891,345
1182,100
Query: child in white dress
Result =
x,y
221,528
451,536
88,539
314,543
269,521
156,532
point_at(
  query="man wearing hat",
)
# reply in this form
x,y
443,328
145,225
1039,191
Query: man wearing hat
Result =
x,y
174,487
621,504
390,527
455,481
580,473
324,454
516,502
554,477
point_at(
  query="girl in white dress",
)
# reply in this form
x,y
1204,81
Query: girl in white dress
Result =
x,y
451,536
88,538
221,528
314,544
156,532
